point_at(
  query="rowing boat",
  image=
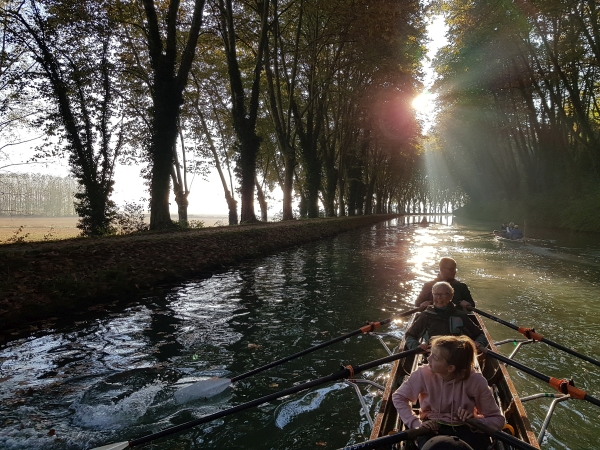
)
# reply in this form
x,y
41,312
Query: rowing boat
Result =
x,y
501,238
387,420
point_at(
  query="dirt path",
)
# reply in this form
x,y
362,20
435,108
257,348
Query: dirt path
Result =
x,y
51,279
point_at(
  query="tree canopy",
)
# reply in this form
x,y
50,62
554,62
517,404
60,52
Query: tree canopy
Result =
x,y
519,97
309,95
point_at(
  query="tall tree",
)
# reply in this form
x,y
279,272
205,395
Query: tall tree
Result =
x,y
164,28
245,24
73,46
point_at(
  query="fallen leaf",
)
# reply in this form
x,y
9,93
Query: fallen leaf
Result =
x,y
321,443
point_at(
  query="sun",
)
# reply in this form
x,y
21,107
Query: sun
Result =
x,y
423,102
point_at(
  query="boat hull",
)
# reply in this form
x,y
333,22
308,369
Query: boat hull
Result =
x,y
387,421
500,238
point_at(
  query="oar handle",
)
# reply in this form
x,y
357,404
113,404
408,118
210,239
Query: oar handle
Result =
x,y
389,440
501,435
347,372
366,329
561,385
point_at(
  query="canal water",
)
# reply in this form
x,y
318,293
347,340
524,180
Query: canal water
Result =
x,y
112,377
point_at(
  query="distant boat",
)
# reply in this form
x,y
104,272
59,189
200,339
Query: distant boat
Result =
x,y
498,236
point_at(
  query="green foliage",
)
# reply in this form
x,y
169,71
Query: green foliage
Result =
x,y
96,213
130,219
196,224
519,89
581,213
559,210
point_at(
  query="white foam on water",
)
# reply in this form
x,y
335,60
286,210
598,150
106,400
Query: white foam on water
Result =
x,y
116,415
286,412
205,388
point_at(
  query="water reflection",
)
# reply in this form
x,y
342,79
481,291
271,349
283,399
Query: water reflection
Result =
x,y
112,378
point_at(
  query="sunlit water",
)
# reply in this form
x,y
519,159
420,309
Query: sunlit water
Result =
x,y
112,378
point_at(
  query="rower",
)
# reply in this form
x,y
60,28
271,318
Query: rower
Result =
x,y
462,298
450,392
443,318
516,233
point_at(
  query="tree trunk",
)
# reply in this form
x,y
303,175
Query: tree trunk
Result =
x,y
262,201
232,205
181,198
167,96
164,136
247,171
341,202
231,201
288,185
244,115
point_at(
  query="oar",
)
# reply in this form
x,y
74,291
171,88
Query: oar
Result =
x,y
561,385
213,386
530,333
413,433
346,372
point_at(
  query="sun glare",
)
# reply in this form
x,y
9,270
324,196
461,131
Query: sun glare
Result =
x,y
422,102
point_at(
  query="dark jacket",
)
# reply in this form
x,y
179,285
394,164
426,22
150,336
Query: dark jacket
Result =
x,y
516,234
436,322
461,292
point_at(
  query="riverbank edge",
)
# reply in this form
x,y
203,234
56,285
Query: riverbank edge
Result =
x,y
45,280
548,212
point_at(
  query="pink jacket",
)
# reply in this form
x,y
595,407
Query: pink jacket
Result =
x,y
440,399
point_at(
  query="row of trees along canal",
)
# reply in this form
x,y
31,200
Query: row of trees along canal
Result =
x,y
311,95
520,112
36,194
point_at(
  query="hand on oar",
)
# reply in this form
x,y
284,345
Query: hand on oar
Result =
x,y
415,432
213,386
500,435
347,372
386,441
530,333
561,385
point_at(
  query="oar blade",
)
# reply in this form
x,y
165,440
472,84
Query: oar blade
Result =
x,y
202,389
115,446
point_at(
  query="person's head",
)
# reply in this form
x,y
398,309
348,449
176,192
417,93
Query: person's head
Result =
x,y
512,224
453,357
517,227
442,293
447,268
443,442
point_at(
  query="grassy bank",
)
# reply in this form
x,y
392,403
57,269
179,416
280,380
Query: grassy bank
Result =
x,y
574,214
50,279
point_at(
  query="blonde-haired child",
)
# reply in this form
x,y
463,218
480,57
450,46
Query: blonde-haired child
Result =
x,y
450,391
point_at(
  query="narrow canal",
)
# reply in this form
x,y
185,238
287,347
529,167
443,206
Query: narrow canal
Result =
x,y
112,378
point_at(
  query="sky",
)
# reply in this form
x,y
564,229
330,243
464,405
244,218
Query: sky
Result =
x,y
206,195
